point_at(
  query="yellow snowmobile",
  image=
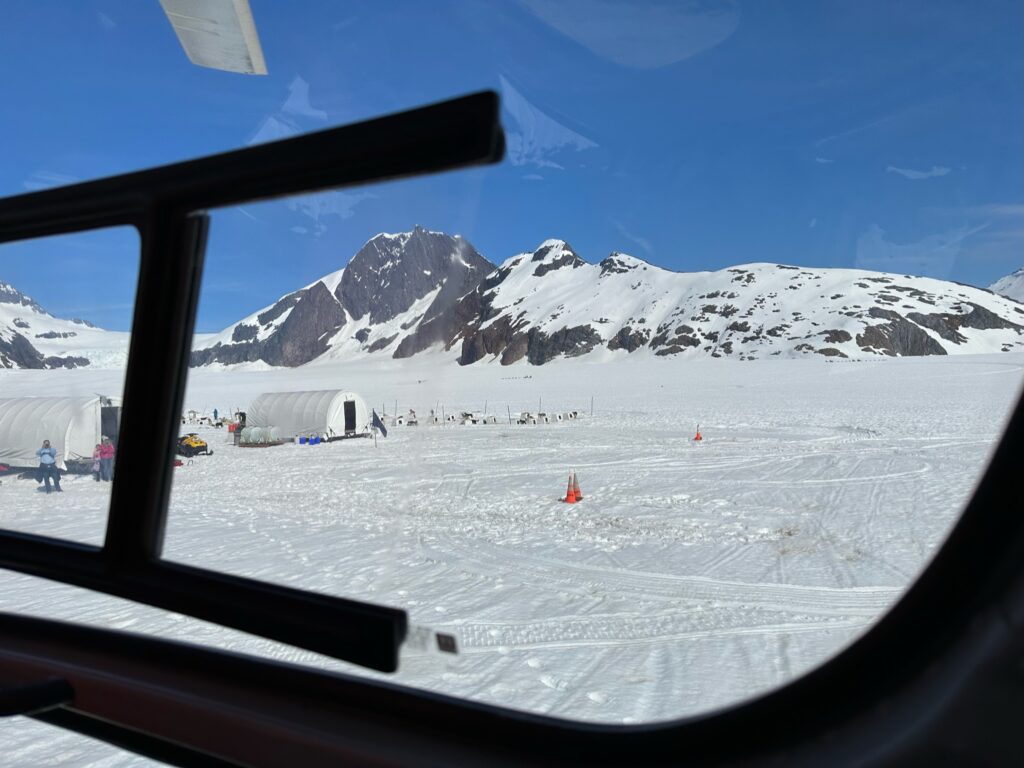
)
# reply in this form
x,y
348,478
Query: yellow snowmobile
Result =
x,y
192,445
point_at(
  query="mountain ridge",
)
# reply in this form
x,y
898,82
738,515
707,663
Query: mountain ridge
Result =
x,y
31,337
550,302
1011,286
403,294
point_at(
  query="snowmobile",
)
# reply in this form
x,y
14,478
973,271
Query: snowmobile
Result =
x,y
192,445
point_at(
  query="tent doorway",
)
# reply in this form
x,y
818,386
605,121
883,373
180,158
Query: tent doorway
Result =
x,y
350,416
110,421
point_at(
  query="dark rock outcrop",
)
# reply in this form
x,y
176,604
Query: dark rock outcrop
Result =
x,y
899,336
947,325
570,342
538,347
66,362
834,336
617,264
315,317
379,344
18,352
244,332
566,258
283,305
629,339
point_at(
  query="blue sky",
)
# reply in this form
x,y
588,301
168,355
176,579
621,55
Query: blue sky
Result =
x,y
694,135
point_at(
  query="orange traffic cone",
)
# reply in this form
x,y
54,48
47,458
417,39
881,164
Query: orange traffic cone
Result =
x,y
576,488
570,494
698,437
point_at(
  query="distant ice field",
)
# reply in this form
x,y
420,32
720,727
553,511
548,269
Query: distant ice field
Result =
x,y
691,576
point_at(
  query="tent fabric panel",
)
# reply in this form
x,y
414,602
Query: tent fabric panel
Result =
x,y
26,422
71,424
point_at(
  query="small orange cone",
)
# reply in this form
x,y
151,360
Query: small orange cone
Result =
x,y
570,494
576,488
698,437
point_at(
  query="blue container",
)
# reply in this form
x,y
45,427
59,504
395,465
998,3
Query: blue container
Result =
x,y
314,441
303,440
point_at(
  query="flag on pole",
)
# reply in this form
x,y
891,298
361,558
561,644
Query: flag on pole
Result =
x,y
378,424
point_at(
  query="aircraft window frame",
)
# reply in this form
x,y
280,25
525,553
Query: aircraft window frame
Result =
x,y
878,692
167,206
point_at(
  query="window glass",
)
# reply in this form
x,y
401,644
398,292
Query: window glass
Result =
x,y
65,318
751,272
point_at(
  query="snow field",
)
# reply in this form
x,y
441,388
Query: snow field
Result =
x,y
690,577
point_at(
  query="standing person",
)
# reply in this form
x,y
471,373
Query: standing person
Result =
x,y
96,463
215,414
48,466
106,460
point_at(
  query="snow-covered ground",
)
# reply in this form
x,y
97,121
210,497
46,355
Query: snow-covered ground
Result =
x,y
691,576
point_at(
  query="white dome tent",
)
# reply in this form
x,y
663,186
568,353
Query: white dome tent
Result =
x,y
329,413
73,425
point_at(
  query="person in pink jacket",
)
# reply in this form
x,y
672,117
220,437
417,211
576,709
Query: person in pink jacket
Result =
x,y
106,459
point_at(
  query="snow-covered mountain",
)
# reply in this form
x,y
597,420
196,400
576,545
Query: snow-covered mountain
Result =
x,y
393,283
551,303
30,337
1011,286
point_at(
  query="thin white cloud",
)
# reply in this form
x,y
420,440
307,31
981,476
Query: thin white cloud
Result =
x,y
105,21
997,210
813,224
643,243
823,160
43,179
858,129
641,34
245,213
910,173
932,256
539,137
1000,228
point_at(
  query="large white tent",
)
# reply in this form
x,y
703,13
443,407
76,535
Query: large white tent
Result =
x,y
73,425
326,413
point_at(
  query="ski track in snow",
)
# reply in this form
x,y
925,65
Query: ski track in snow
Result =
x,y
691,576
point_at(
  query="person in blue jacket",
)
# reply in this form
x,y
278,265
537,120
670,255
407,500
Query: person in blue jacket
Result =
x,y
48,466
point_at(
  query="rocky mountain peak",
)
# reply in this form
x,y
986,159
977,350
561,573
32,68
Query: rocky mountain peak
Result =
x,y
555,254
11,295
620,263
391,272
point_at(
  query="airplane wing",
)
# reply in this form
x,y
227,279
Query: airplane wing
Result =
x,y
220,34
